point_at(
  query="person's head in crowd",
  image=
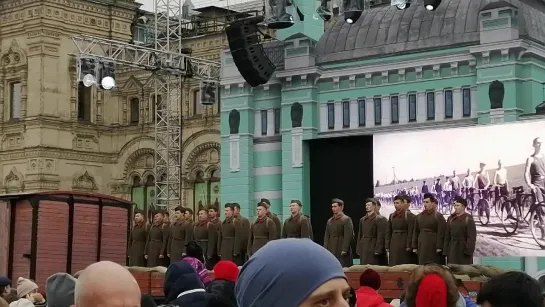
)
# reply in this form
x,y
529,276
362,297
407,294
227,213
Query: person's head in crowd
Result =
x,y
60,289
439,287
225,275
226,270
26,288
5,285
106,284
511,289
147,301
183,287
310,275
367,294
370,278
193,249
459,205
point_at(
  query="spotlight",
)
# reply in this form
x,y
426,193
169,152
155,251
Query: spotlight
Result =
x,y
278,17
89,80
431,5
401,4
107,83
352,10
107,75
351,16
324,12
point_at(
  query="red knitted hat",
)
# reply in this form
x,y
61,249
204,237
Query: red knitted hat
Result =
x,y
432,292
370,278
226,270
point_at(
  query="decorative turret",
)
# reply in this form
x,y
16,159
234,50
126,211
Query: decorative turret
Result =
x,y
499,22
186,8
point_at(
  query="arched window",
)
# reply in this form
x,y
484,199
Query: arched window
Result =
x,y
84,102
200,191
143,193
135,110
214,187
197,106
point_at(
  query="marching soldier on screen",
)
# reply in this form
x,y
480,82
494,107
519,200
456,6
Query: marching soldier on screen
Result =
x,y
212,257
138,239
339,234
263,230
429,233
399,233
298,225
461,235
166,238
371,234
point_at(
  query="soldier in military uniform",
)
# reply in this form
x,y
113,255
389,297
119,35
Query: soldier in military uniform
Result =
x,y
212,256
273,217
137,240
245,231
189,223
263,230
460,235
230,236
372,230
176,246
339,234
298,225
166,237
399,233
154,244
204,232
429,233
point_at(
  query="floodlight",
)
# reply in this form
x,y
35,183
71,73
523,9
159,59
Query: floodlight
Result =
x,y
89,80
107,83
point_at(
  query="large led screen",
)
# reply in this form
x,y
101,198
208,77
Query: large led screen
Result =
x,y
482,164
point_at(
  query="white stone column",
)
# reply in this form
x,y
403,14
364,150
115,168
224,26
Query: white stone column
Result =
x,y
323,117
457,103
421,110
234,153
403,109
354,119
386,111
474,102
270,122
338,115
369,112
257,123
439,105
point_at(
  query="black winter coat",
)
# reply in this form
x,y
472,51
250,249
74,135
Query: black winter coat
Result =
x,y
224,289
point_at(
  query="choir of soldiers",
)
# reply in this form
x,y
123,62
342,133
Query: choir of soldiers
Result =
x,y
401,238
234,238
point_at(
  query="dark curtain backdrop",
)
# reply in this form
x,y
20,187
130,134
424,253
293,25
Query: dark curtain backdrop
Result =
x,y
339,168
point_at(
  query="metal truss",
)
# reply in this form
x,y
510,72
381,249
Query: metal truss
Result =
x,y
170,67
146,58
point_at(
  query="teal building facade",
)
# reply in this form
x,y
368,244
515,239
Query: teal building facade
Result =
x,y
392,70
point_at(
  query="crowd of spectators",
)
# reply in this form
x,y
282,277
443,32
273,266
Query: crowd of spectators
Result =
x,y
284,273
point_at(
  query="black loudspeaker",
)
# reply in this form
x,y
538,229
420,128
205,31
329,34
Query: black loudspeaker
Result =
x,y
248,54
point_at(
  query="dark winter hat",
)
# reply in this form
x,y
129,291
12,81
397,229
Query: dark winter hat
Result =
x,y
4,281
268,202
266,282
370,278
59,289
147,301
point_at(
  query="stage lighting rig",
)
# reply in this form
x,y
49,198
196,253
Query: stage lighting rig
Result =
x,y
352,10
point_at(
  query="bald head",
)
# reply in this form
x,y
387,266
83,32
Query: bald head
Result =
x,y
106,284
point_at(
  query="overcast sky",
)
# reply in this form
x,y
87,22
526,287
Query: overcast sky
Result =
x,y
431,153
148,4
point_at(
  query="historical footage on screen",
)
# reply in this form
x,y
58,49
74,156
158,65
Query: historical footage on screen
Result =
x,y
498,169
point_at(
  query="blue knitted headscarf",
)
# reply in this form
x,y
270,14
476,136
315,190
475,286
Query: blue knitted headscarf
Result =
x,y
285,272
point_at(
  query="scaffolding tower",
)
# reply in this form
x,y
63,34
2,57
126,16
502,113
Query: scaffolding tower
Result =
x,y
170,67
